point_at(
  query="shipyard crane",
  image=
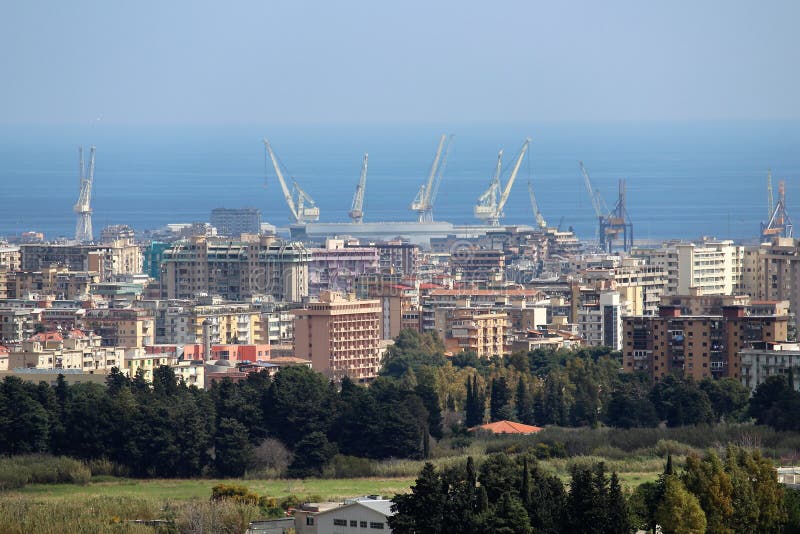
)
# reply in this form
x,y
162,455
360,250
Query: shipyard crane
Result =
x,y
779,224
83,227
540,222
770,198
614,223
426,196
356,212
301,205
490,206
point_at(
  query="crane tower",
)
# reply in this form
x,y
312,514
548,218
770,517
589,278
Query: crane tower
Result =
x,y
779,223
423,202
612,224
356,212
301,205
83,226
492,202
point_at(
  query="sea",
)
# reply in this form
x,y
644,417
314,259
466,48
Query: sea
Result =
x,y
684,179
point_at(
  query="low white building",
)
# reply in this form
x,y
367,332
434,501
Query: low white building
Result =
x,y
361,515
776,359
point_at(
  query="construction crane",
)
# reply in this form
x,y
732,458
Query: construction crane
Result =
x,y
611,223
356,212
301,205
83,227
540,222
491,203
770,198
426,196
779,223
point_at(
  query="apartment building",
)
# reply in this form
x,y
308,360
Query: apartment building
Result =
x,y
226,322
121,327
599,319
772,272
769,359
484,332
233,222
340,335
398,257
70,350
471,264
108,259
10,258
235,270
54,280
336,266
697,346
711,267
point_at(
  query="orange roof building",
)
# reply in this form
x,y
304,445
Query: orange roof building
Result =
x,y
508,427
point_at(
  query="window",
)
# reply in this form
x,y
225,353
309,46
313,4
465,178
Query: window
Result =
x,y
353,523
379,526
340,522
363,524
309,520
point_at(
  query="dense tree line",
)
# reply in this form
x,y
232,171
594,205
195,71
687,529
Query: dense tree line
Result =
x,y
738,493
171,430
510,495
168,429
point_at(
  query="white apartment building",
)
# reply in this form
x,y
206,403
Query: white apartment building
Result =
x,y
600,322
710,267
759,364
771,271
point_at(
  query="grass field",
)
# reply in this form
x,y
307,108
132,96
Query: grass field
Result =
x,y
182,489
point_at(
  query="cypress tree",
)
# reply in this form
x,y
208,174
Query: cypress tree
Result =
x,y
525,488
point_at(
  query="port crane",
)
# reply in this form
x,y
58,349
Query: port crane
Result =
x,y
540,222
300,203
356,212
779,224
426,196
491,203
611,223
83,227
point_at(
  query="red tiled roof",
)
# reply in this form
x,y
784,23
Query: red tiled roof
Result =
x,y
429,286
47,336
508,427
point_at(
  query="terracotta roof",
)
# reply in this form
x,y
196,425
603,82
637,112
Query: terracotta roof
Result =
x,y
47,336
508,427
429,286
488,292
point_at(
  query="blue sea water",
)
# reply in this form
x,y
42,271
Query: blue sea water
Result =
x,y
684,179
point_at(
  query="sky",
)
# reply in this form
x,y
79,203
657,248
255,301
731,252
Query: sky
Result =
x,y
355,62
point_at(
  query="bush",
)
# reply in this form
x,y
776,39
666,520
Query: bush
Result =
x,y
107,468
349,467
232,492
13,476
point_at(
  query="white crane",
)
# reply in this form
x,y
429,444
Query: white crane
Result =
x,y
301,213
540,222
600,209
423,202
356,212
83,227
490,206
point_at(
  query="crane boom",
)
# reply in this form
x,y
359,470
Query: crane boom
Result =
x,y
770,198
286,193
593,195
356,212
433,173
540,222
504,197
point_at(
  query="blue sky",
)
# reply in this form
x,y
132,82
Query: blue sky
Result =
x,y
292,62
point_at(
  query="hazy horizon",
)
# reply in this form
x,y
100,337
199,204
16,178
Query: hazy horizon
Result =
x,y
360,62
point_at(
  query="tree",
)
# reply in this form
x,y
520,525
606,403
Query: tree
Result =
x,y
728,397
311,454
427,391
232,448
298,403
475,404
680,511
707,480
618,519
681,402
500,398
628,407
411,350
422,510
546,502
524,401
508,516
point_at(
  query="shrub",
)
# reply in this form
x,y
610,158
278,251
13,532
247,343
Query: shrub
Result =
x,y
349,467
232,492
13,476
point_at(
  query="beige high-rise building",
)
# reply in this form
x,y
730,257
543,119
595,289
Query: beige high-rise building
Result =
x,y
477,330
340,335
772,272
235,270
